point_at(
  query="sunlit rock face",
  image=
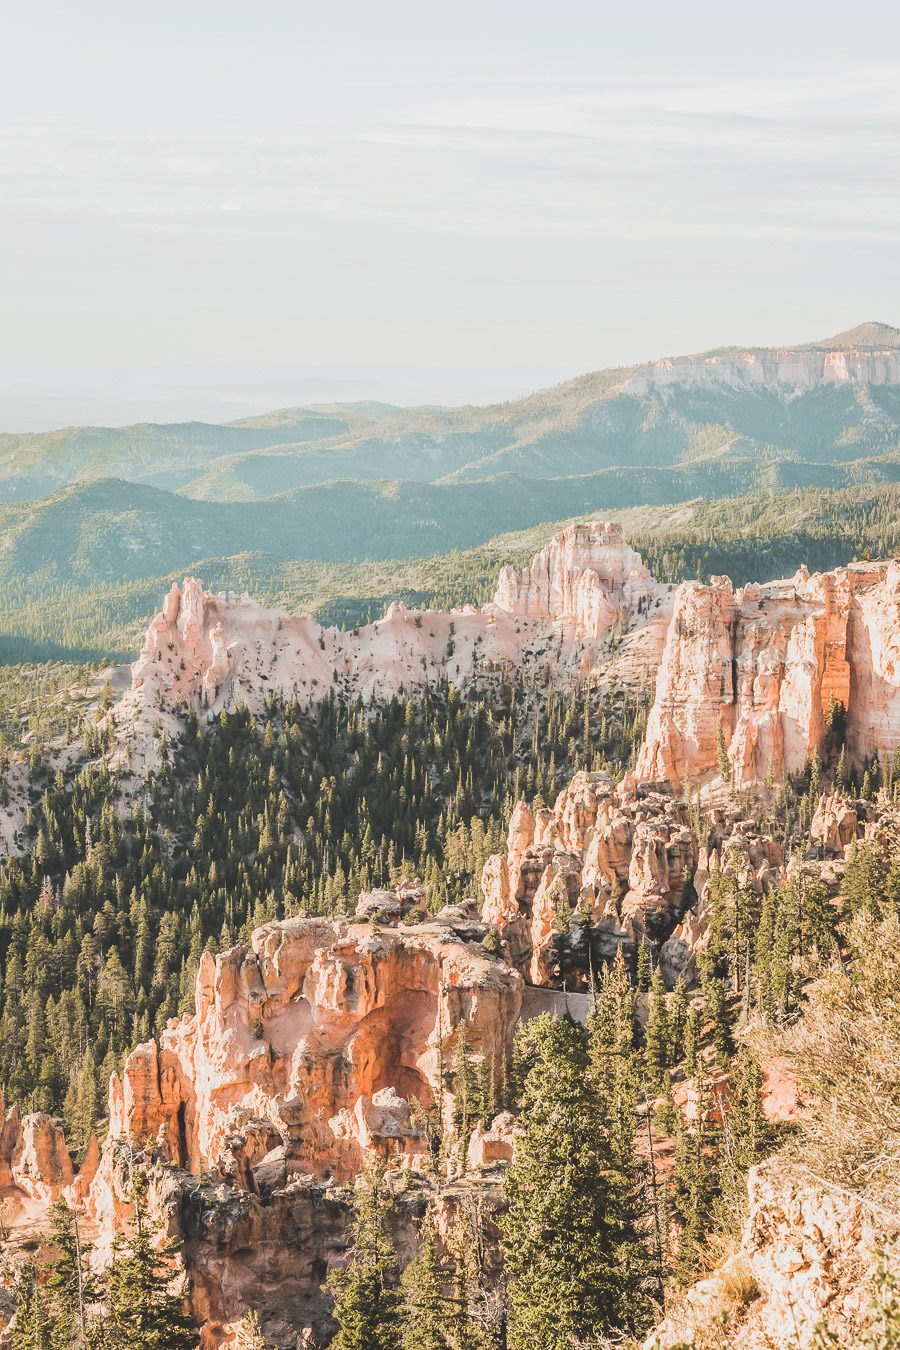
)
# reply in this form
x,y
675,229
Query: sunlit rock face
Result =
x,y
208,651
587,575
806,1259
758,673
317,1041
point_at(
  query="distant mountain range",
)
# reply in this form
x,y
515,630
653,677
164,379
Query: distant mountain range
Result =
x,y
92,507
795,413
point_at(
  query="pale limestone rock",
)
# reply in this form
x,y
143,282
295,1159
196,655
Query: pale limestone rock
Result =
x,y
793,372
805,1258
835,823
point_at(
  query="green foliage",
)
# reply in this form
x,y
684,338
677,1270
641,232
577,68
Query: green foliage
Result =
x,y
797,921
575,1261
734,919
70,1289
140,1308
32,1329
657,1033
367,1303
425,1301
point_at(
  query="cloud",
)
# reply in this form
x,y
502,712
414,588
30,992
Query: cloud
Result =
x,y
812,157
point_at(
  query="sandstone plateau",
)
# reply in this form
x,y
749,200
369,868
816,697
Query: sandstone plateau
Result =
x,y
867,360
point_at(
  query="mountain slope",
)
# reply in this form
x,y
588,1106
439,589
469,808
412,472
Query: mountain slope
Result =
x,y
831,402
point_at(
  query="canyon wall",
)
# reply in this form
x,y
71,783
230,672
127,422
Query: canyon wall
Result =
x,y
758,675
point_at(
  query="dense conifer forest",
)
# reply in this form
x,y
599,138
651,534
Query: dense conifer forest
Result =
x,y
104,919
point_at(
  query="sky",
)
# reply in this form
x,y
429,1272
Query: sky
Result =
x,y
210,204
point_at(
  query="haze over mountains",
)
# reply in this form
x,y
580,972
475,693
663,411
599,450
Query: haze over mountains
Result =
x,y
366,482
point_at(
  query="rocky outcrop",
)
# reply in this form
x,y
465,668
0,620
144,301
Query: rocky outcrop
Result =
x,y
805,1260
757,675
587,575
609,866
748,681
208,651
313,1045
34,1159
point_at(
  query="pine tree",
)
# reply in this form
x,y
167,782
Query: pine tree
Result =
x,y
32,1328
644,967
695,1180
425,1303
69,1287
657,1035
573,1261
746,1134
141,1311
366,1300
723,764
717,1011
677,1013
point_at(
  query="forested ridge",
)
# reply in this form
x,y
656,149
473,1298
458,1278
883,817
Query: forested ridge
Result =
x,y
68,603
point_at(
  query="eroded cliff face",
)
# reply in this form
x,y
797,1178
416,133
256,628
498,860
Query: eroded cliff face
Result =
x,y
609,866
319,1041
790,371
208,651
759,673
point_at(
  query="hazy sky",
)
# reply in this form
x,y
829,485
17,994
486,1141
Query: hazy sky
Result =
x,y
467,186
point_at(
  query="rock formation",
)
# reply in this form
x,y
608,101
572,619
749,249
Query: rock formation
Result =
x,y
317,1042
320,1043
806,1258
757,674
760,673
206,651
612,866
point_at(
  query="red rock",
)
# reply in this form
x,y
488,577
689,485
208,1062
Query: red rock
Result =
x,y
767,665
324,1031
